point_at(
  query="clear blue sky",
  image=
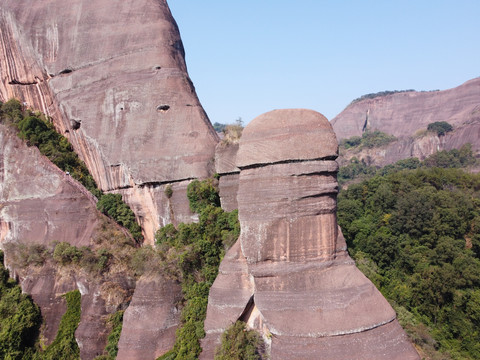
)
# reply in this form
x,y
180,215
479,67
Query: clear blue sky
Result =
x,y
246,57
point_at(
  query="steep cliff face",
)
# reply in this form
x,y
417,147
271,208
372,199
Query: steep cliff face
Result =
x,y
225,167
115,82
39,204
405,114
150,321
289,275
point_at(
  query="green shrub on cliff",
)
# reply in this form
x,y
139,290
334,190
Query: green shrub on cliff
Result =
x,y
369,139
115,321
20,319
239,343
440,127
195,251
455,158
65,346
113,206
38,131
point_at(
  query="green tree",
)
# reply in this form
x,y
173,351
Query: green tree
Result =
x,y
240,343
20,319
440,127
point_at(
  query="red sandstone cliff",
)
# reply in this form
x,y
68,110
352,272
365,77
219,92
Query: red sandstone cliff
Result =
x,y
114,80
289,275
39,204
406,114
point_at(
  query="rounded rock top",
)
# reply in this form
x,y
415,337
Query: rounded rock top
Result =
x,y
287,135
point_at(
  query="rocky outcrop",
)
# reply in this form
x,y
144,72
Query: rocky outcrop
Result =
x,y
115,82
406,115
39,204
151,319
228,172
289,275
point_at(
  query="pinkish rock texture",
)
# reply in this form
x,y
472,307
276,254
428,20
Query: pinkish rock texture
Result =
x,y
115,82
402,114
225,167
150,321
39,204
289,275
407,114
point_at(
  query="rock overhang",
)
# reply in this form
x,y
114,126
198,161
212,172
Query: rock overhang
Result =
x,y
286,135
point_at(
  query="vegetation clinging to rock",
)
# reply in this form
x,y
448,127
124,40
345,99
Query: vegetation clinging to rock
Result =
x,y
113,206
20,319
379,94
65,345
194,252
455,158
369,139
38,131
440,127
240,343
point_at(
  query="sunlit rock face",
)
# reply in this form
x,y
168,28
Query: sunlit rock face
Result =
x,y
151,319
289,275
40,204
228,172
114,80
406,115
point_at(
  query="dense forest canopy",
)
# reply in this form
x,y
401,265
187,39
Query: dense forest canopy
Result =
x,y
416,235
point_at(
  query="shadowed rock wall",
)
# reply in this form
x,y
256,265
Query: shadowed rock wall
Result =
x,y
289,275
115,82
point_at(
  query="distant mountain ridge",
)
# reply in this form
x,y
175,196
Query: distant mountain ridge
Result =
x,y
406,115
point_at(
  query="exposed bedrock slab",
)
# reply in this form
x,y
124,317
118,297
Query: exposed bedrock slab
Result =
x,y
402,114
289,275
288,134
115,82
150,321
39,204
407,115
226,168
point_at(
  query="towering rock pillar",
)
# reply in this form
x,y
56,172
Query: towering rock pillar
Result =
x,y
289,275
114,80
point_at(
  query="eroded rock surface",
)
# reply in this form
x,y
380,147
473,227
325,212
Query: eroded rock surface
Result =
x,y
289,275
226,168
115,82
406,115
151,319
39,204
